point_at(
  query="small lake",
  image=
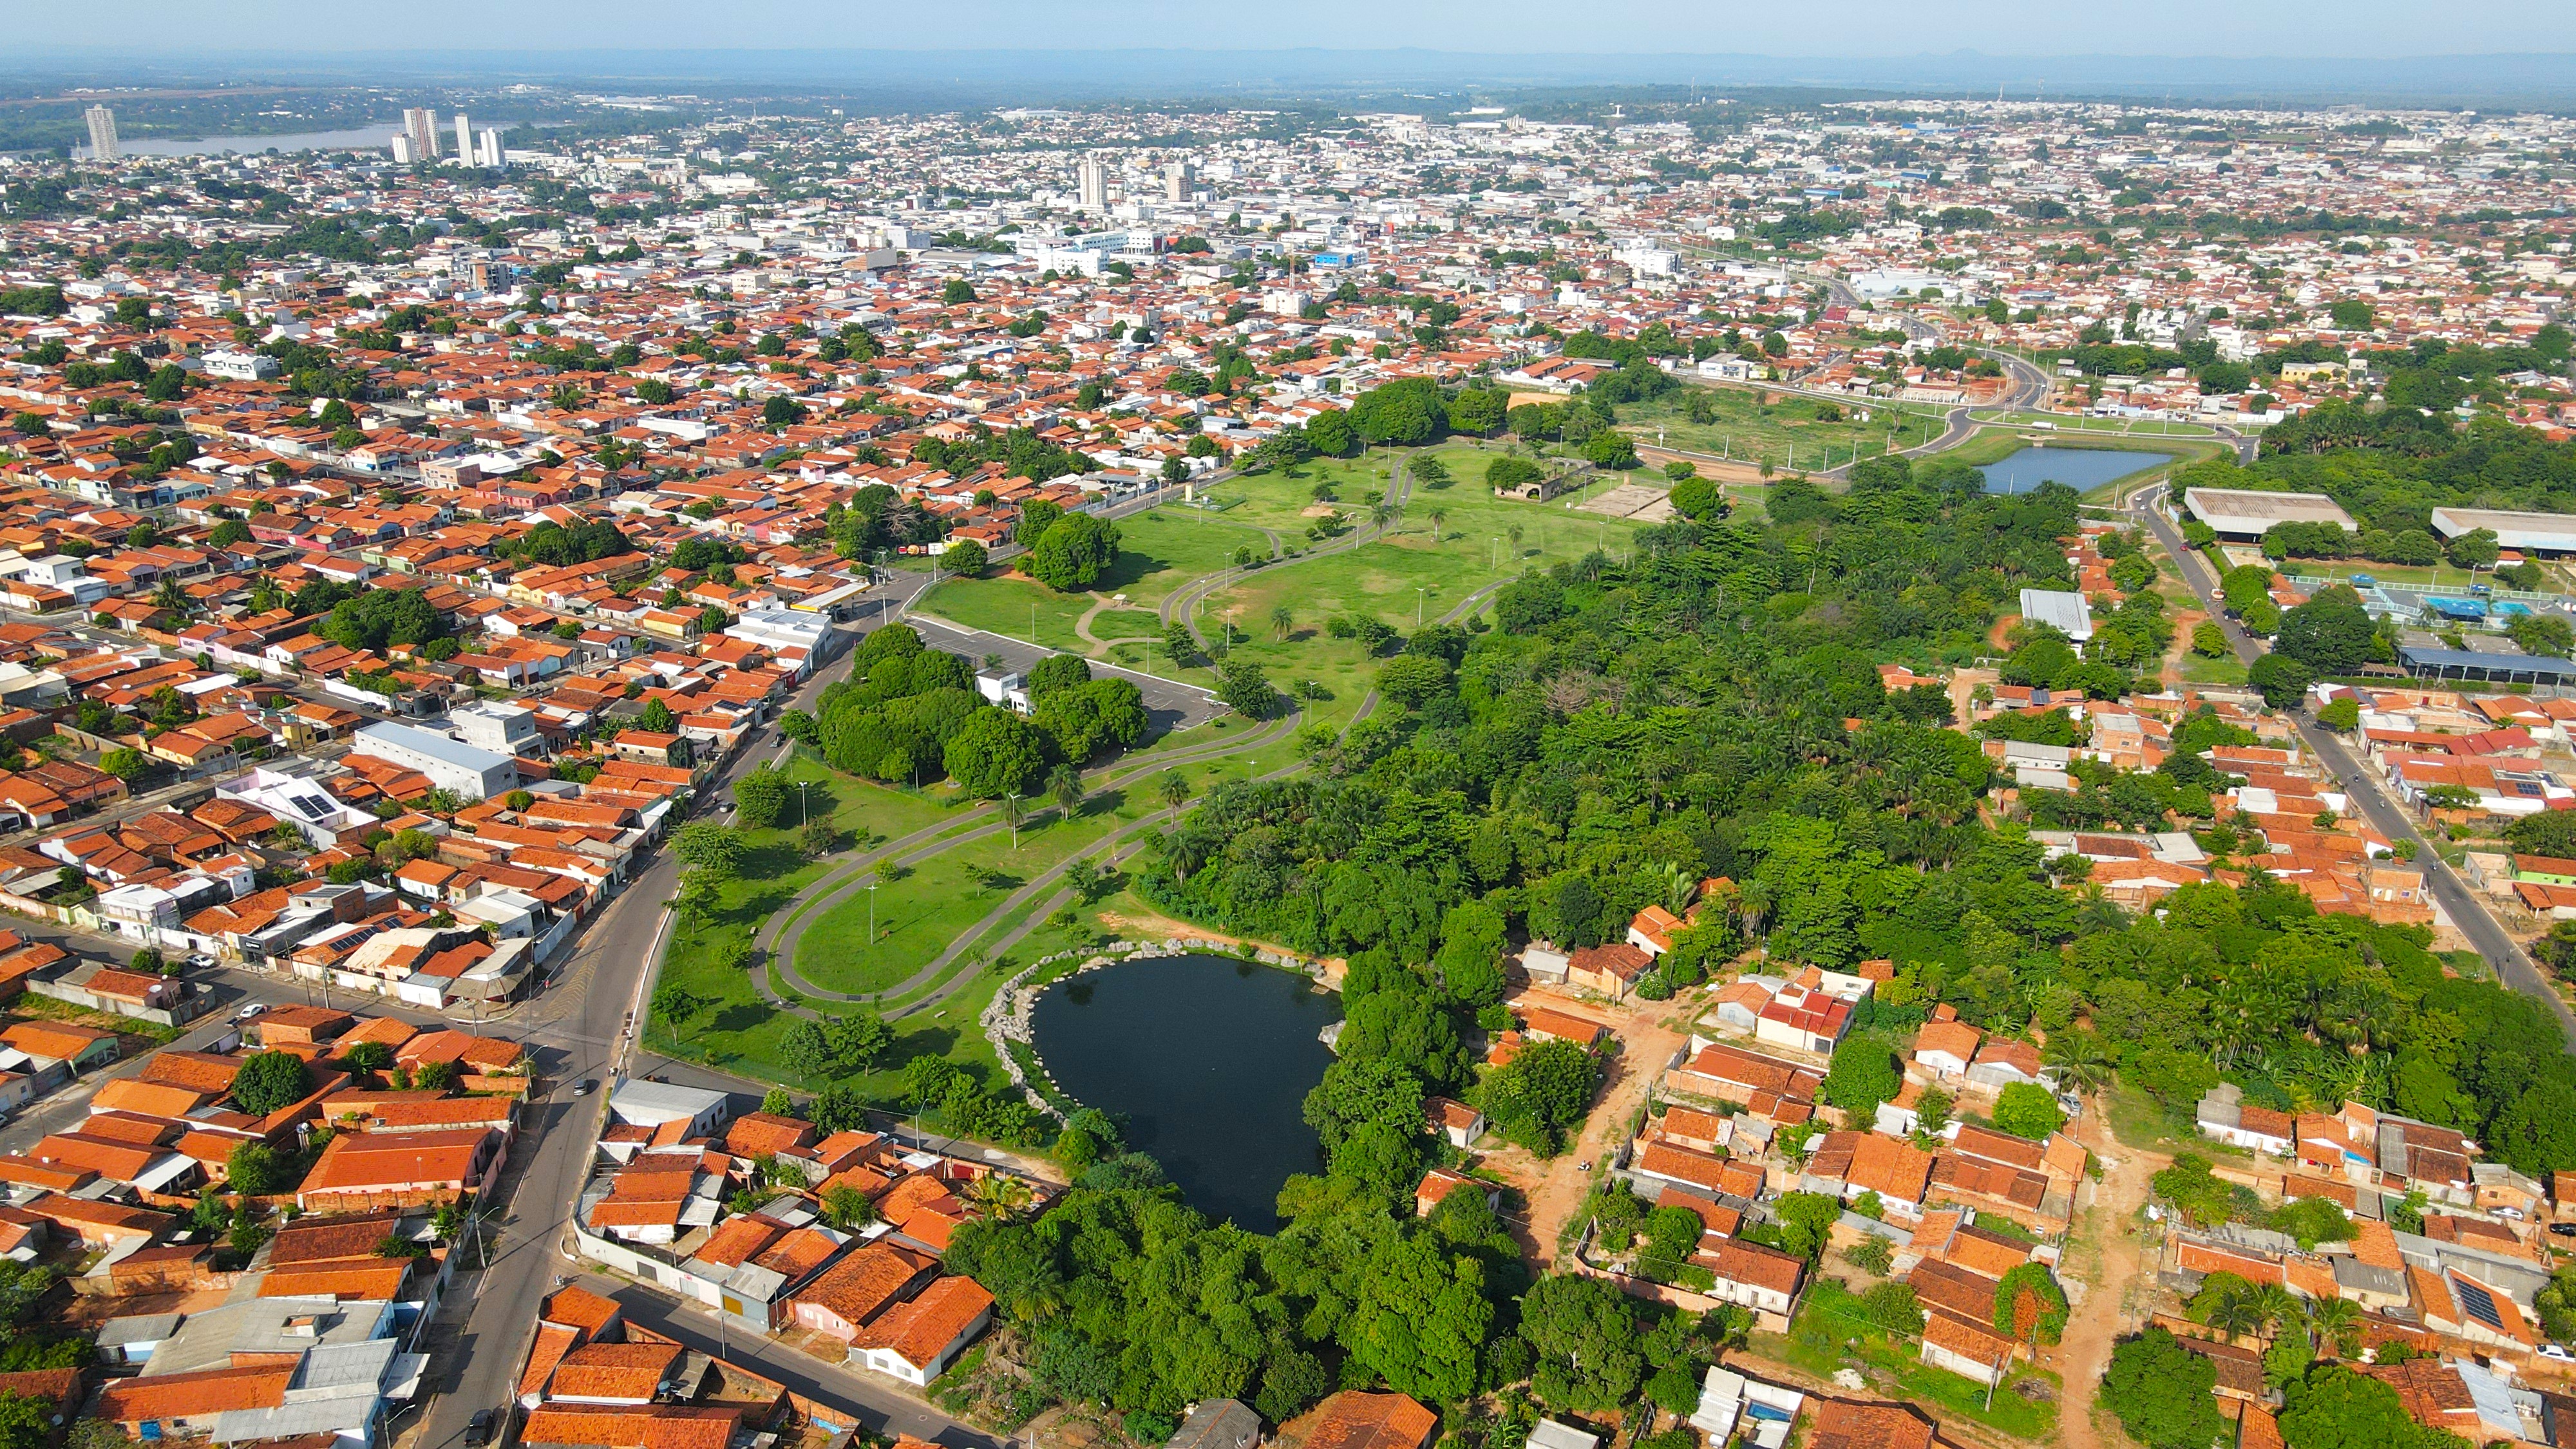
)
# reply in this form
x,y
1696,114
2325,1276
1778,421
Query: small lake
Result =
x,y
366,138
2082,469
1206,1061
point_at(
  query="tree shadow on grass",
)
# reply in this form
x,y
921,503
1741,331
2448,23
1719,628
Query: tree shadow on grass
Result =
x,y
926,1041
741,1016
756,907
766,862
1129,569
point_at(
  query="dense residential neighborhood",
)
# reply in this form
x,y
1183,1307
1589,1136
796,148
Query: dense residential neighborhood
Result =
x,y
1869,770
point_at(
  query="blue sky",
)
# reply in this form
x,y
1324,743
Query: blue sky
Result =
x,y
2362,29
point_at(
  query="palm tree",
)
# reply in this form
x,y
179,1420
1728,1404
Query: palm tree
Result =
x,y
1681,887
1379,513
1064,787
1174,788
171,597
2083,1064
2233,1312
2278,1307
2336,1322
2099,915
999,1196
1283,621
1514,533
1439,520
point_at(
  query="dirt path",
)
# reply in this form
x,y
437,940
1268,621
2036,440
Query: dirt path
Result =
x,y
1553,1190
2112,1271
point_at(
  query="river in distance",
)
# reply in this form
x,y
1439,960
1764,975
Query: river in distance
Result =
x,y
378,137
2082,469
1206,1062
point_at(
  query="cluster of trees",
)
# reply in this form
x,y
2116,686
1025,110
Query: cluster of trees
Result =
x,y
1066,551
1022,452
1682,717
380,618
910,714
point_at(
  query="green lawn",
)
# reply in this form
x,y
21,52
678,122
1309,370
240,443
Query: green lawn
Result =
x,y
735,1027
2200,669
2126,427
1829,1333
1158,552
1784,431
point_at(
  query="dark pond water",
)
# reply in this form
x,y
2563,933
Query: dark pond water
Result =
x,y
1207,1061
2081,469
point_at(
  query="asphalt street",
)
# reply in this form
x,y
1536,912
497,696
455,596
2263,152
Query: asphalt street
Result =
x,y
1170,704
580,1028
2511,965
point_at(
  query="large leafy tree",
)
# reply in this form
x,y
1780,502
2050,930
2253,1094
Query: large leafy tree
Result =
x,y
1421,1318
1586,1340
2331,633
995,754
2161,1392
1073,553
268,1081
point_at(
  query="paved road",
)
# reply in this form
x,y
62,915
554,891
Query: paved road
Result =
x,y
881,1405
1170,704
2511,964
580,1030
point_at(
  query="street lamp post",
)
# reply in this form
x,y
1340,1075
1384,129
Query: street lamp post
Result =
x,y
872,911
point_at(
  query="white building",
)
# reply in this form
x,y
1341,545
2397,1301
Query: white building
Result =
x,y
2550,533
102,133
476,774
2237,513
420,124
2066,612
508,729
243,366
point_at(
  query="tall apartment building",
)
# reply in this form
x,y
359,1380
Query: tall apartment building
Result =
x,y
102,133
421,125
1179,180
464,139
1092,179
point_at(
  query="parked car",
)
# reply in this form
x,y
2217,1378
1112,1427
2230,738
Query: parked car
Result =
x,y
585,1087
2564,1230
478,1430
247,1012
202,961
2558,1352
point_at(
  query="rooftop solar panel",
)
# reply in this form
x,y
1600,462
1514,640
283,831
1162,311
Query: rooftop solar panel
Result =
x,y
2479,1303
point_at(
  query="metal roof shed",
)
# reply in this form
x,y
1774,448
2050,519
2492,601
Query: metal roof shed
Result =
x,y
2067,613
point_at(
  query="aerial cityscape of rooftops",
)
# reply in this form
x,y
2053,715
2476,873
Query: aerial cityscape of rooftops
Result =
x,y
1921,747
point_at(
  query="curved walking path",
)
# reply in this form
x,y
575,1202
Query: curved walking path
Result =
x,y
1184,601
1112,845
1101,604
781,933
1111,850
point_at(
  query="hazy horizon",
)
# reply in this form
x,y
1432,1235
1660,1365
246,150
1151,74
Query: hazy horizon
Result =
x,y
277,30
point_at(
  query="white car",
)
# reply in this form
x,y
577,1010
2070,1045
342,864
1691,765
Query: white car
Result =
x,y
2558,1352
247,1012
